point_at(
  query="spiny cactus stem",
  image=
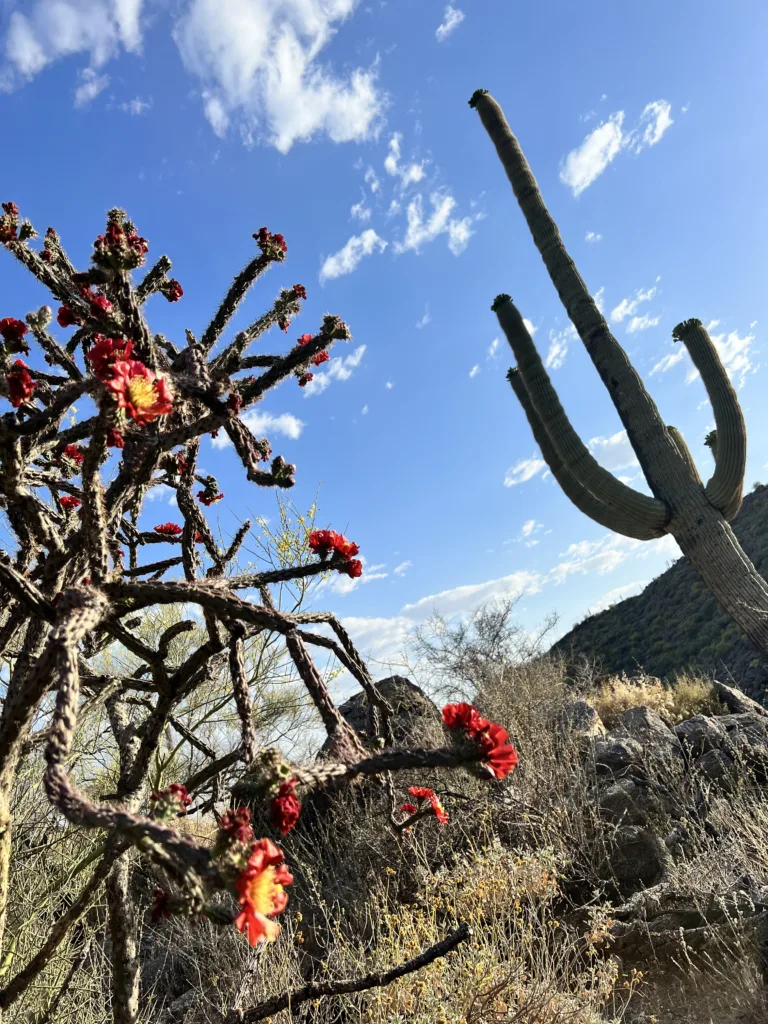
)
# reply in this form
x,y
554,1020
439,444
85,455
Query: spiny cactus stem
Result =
x,y
724,489
649,514
580,495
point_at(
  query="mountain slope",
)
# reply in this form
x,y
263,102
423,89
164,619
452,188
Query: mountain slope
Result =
x,y
675,624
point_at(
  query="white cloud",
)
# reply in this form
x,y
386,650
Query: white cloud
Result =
x,y
668,361
421,231
586,162
493,348
524,470
410,174
424,320
371,180
347,258
642,323
452,18
475,370
389,385
615,595
259,63
360,211
91,84
364,411
340,583
735,354
460,600
339,368
628,307
528,527
48,31
593,236
394,208
265,423
614,452
530,327
558,346
136,107
402,569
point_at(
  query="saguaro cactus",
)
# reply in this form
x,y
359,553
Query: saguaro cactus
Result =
x,y
696,515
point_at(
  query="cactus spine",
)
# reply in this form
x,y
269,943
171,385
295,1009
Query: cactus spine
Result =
x,y
695,515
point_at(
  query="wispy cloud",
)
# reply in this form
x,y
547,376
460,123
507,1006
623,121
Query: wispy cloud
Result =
x,y
629,307
586,162
421,231
339,368
371,180
265,423
613,452
524,470
136,107
409,174
359,211
558,346
402,569
452,18
348,258
735,352
424,319
475,370
493,348
668,361
364,411
642,323
91,84
616,595
593,236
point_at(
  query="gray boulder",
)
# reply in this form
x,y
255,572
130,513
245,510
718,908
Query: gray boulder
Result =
x,y
617,756
638,860
626,802
580,720
738,702
700,734
658,741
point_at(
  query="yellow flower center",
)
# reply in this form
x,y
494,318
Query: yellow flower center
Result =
x,y
263,890
141,393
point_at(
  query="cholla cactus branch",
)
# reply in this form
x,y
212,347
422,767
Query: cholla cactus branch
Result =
x,y
153,279
233,298
376,979
242,694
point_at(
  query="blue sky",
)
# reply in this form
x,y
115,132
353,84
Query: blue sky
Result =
x,y
345,126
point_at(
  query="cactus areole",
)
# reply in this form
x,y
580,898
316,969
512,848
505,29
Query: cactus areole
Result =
x,y
695,514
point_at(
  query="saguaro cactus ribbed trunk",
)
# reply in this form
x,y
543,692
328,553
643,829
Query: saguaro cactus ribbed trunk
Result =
x,y
694,514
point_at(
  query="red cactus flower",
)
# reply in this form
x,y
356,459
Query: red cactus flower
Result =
x,y
106,352
139,391
285,807
236,825
206,498
283,323
409,809
13,332
322,542
305,339
69,501
115,439
320,357
66,318
11,209
300,291
21,387
353,569
76,454
161,906
463,716
261,888
169,529
176,793
345,548
424,793
174,291
305,378
100,305
234,402
198,537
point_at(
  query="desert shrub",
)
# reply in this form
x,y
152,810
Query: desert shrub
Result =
x,y
674,702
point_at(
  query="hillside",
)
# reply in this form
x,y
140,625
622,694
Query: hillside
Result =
x,y
675,624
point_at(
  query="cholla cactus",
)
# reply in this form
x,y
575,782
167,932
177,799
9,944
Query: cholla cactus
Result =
x,y
77,578
694,514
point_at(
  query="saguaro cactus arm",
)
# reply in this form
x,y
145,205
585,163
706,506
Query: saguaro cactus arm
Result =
x,y
685,452
584,500
648,514
646,430
724,489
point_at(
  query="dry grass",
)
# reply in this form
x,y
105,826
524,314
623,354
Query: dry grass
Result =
x,y
687,696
